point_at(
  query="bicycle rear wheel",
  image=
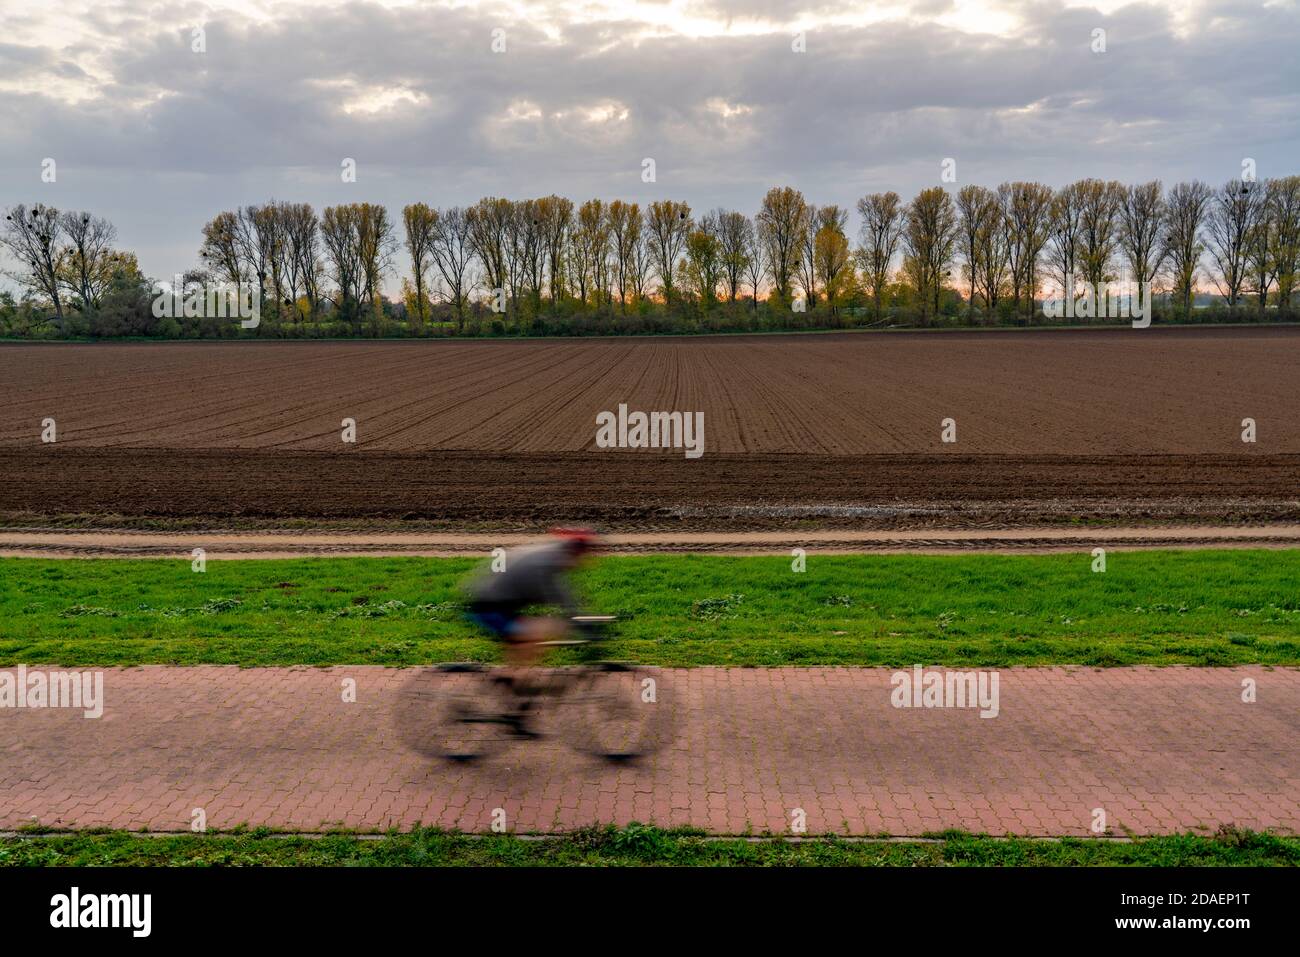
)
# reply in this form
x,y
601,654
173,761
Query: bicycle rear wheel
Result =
x,y
617,712
454,712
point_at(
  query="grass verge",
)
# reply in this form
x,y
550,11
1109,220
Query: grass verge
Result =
x,y
637,845
1200,608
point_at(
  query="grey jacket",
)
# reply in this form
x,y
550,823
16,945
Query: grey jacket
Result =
x,y
534,575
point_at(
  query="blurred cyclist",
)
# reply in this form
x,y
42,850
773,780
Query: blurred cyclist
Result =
x,y
533,575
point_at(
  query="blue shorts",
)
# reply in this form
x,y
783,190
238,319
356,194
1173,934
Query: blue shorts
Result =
x,y
503,626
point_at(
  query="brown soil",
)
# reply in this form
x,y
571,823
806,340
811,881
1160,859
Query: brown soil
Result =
x,y
626,489
1090,392
835,431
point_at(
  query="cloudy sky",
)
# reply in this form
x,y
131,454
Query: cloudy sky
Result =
x,y
158,137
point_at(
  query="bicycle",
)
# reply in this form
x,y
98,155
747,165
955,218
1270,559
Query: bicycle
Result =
x,y
465,711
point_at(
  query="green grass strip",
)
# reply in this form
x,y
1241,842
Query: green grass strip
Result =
x,y
1203,608
637,845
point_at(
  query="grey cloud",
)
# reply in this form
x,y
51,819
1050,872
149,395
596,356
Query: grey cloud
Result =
x,y
261,113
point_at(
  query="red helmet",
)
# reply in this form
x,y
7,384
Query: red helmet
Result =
x,y
580,539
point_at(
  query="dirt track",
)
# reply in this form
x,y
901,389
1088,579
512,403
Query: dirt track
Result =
x,y
297,544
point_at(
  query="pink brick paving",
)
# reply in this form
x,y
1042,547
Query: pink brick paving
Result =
x,y
1160,750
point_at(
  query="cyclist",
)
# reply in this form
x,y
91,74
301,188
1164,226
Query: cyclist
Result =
x,y
533,575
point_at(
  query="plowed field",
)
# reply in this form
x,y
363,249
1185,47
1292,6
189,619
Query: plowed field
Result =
x,y
830,429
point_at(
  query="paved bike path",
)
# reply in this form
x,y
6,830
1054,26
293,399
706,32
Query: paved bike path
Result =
x,y
1158,750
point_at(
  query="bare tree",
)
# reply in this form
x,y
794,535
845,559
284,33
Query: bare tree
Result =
x,y
272,231
376,245
453,252
992,252
88,262
668,223
782,223
1099,228
340,235
1260,249
1184,216
831,262
882,226
596,234
1284,210
489,222
703,261
1141,237
257,239
819,218
532,249
222,250
420,222
516,242
556,214
756,266
626,238
589,249
34,238
579,248
302,242
1228,226
929,239
639,263
1028,225
1065,240
979,211
734,231
805,270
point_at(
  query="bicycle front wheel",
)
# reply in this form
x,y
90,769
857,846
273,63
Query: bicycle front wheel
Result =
x,y
618,712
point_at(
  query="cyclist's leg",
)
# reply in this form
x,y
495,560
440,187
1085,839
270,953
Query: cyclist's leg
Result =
x,y
507,630
522,639
523,644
